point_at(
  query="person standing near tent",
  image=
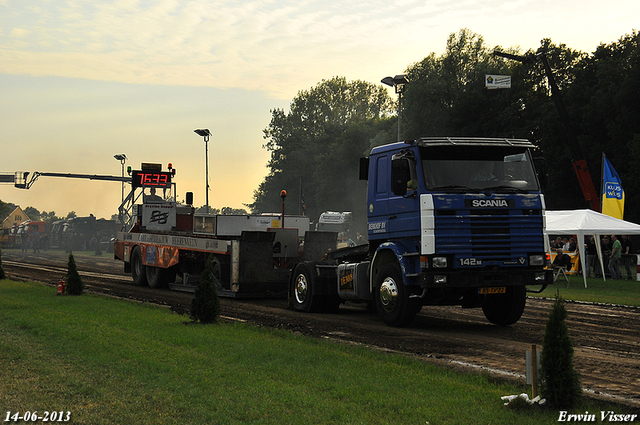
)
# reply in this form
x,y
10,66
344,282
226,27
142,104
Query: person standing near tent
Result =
x,y
628,258
605,245
614,259
592,256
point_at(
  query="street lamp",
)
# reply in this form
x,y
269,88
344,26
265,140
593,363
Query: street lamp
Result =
x,y
399,83
122,158
205,133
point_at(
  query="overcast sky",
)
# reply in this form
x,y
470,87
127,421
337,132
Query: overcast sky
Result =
x,y
82,81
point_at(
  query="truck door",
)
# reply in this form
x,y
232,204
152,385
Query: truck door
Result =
x,y
404,202
378,195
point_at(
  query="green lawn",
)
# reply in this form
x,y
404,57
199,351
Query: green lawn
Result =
x,y
109,361
622,292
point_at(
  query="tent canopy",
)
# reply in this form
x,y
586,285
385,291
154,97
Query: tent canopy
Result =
x,y
587,222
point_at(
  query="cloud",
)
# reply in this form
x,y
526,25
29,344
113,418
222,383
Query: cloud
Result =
x,y
278,47
248,44
19,33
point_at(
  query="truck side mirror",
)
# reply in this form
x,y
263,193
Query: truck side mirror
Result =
x,y
400,176
542,171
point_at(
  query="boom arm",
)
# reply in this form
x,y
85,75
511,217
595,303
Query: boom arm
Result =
x,y
24,179
577,158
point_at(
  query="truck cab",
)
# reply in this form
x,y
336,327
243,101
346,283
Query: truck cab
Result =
x,y
451,221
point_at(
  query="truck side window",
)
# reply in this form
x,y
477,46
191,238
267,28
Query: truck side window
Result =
x,y
400,176
381,176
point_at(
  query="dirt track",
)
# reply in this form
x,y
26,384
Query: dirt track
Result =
x,y
606,338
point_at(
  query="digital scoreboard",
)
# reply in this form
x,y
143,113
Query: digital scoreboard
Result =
x,y
149,178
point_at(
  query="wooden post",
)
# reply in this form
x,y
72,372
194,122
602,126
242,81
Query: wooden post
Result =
x,y
534,371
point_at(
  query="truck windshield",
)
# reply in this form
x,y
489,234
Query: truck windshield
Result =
x,y
478,168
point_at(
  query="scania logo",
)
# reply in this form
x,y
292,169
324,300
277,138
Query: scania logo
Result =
x,y
489,203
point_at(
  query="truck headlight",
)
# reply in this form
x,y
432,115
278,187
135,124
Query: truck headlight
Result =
x,y
439,262
536,260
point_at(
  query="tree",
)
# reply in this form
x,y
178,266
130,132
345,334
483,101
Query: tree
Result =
x,y
233,211
49,217
446,97
74,285
223,210
205,306
6,208
603,101
33,213
327,129
446,94
560,383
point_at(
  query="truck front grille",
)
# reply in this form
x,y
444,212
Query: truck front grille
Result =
x,y
491,235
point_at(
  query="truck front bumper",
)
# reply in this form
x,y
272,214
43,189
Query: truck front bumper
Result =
x,y
484,278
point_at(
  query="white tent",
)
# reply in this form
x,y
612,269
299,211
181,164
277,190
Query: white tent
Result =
x,y
587,222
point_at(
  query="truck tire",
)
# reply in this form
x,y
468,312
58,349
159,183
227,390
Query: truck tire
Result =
x,y
392,298
505,309
302,287
159,277
137,268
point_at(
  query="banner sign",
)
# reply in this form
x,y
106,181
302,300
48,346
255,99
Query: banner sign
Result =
x,y
497,81
612,193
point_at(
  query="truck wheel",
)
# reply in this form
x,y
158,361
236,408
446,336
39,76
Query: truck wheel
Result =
x,y
505,309
302,288
159,277
137,268
392,298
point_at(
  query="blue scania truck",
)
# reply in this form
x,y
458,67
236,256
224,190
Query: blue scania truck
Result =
x,y
451,221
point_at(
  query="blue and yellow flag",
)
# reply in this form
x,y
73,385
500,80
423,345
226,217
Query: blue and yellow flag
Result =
x,y
612,193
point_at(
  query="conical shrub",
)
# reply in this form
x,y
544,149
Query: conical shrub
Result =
x,y
205,306
74,285
559,381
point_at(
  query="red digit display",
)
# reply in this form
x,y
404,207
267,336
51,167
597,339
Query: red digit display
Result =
x,y
151,179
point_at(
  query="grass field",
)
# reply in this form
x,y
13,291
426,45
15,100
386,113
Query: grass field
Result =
x,y
621,292
109,361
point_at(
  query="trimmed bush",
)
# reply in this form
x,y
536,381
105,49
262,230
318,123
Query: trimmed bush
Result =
x,y
74,285
205,306
559,381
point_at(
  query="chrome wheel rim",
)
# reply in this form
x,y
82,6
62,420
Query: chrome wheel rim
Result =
x,y
301,288
389,294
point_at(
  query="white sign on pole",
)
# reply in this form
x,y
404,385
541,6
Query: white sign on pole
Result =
x,y
497,81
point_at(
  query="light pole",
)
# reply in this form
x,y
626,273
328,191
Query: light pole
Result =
x,y
205,133
122,158
399,83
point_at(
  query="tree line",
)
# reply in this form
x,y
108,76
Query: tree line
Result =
x,y
315,146
33,213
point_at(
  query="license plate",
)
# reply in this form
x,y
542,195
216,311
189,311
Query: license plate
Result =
x,y
493,290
